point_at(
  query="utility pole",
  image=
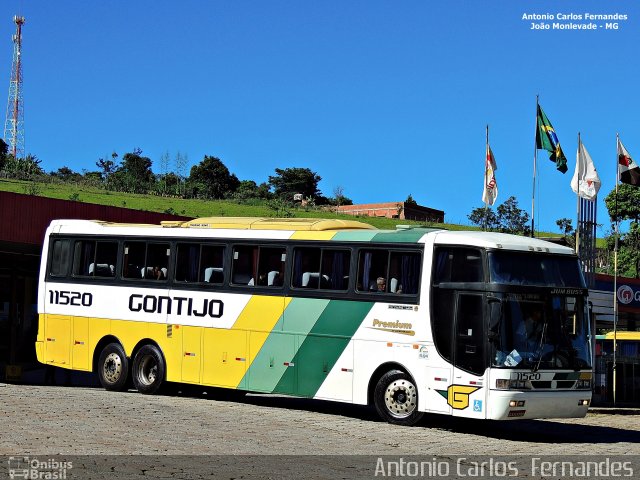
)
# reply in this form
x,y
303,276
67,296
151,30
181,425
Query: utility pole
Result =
x,y
14,123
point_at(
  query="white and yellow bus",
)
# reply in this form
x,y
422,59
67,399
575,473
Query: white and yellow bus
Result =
x,y
413,320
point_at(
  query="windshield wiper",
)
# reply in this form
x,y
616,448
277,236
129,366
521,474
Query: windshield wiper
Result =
x,y
540,346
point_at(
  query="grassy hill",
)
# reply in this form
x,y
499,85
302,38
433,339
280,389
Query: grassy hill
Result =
x,y
186,207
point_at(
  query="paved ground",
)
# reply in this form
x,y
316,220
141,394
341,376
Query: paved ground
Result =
x,y
50,420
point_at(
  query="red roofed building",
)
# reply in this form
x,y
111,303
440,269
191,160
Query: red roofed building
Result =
x,y
402,210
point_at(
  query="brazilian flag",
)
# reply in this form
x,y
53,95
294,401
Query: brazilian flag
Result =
x,y
546,139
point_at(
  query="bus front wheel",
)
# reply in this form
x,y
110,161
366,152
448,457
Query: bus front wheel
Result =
x,y
396,398
148,369
113,367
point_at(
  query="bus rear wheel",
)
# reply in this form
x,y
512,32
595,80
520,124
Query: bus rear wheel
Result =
x,y
396,398
148,369
113,367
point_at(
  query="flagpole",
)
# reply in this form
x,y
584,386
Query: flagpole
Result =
x,y
535,162
578,200
615,271
486,205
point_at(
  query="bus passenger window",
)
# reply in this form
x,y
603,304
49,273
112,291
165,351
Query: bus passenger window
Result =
x,y
335,269
306,267
404,273
458,265
157,261
372,265
146,261
188,260
212,264
271,266
94,258
60,250
258,266
245,261
324,269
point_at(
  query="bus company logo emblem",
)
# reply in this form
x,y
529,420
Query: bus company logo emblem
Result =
x,y
424,352
458,396
393,327
625,294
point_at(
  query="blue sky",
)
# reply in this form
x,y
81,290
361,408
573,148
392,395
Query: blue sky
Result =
x,y
383,98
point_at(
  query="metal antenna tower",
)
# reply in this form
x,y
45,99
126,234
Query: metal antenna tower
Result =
x,y
14,123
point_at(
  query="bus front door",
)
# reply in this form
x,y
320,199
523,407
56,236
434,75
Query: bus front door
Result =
x,y
467,395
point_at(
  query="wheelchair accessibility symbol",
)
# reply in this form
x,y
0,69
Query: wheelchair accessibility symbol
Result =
x,y
477,405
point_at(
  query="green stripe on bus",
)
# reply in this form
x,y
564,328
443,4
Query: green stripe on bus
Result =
x,y
277,353
321,349
355,236
400,236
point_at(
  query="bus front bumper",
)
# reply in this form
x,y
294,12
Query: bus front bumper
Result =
x,y
512,405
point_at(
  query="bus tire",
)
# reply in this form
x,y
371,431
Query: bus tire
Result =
x,y
148,369
396,398
113,367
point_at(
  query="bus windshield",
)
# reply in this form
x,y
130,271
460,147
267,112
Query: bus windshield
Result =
x,y
541,331
543,328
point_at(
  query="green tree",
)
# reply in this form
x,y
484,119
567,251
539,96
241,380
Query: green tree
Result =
x,y
106,166
4,154
625,207
211,179
134,174
410,200
66,174
566,228
508,218
511,218
248,189
339,197
485,218
289,181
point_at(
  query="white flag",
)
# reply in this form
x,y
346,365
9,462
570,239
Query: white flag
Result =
x,y
490,192
585,181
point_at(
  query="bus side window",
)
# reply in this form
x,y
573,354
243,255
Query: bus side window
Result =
x,y
134,259
212,264
60,256
457,265
334,272
372,271
245,262
84,254
306,268
271,266
404,273
157,261
187,261
105,261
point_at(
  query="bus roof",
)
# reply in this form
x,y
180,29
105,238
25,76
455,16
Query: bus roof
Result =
x,y
259,223
500,240
310,229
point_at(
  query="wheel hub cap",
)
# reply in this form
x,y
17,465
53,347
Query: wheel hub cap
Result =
x,y
401,398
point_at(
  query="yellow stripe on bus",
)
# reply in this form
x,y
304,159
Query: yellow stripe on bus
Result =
x,y
302,235
229,353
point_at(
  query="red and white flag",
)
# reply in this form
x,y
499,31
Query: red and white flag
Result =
x,y
490,192
628,170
